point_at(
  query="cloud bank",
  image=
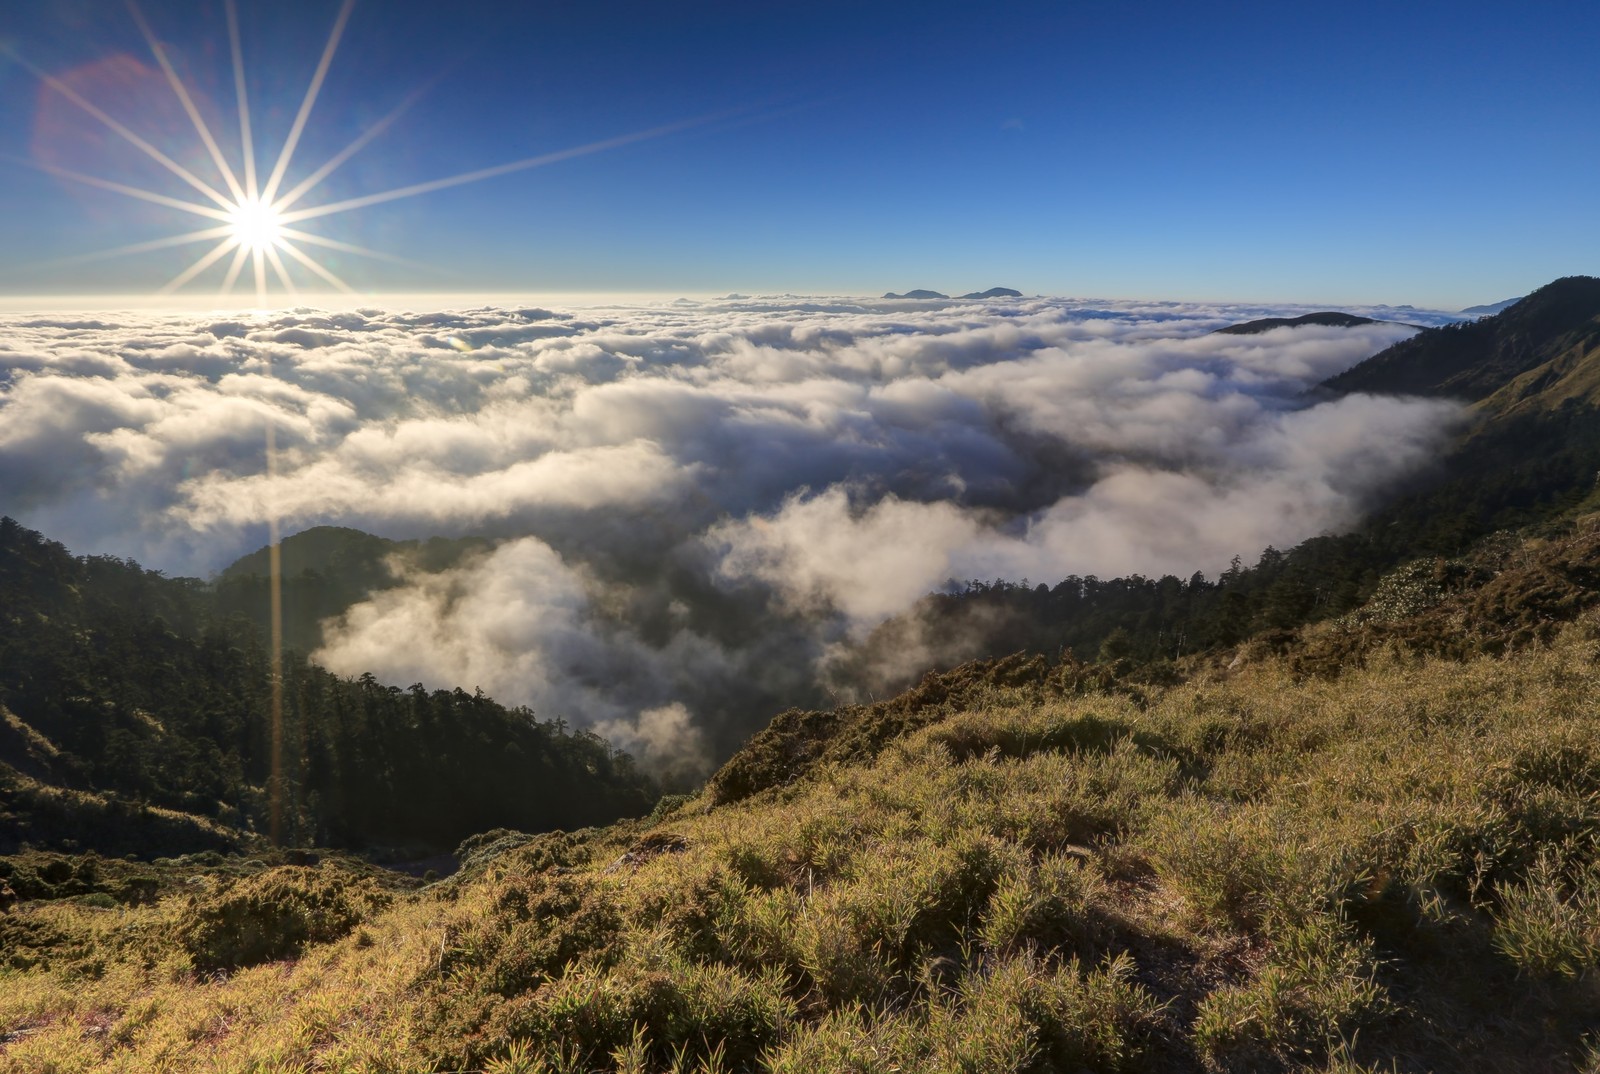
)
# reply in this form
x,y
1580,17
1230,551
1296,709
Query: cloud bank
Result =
x,y
696,502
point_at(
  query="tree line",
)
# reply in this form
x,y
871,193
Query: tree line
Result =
x,y
146,690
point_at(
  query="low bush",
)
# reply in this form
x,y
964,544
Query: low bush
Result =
x,y
1057,904
274,915
1549,925
1319,987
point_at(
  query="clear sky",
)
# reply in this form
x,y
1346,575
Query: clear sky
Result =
x,y
1435,154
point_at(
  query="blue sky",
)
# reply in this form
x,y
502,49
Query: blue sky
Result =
x,y
1435,154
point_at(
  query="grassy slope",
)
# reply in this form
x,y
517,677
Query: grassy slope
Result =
x,y
1394,867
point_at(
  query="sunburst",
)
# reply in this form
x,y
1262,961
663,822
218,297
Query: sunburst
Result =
x,y
253,221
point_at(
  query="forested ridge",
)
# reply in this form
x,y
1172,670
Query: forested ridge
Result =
x,y
1472,359
119,681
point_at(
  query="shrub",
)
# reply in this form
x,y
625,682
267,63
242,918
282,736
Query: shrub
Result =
x,y
533,928
860,936
475,852
1317,988
1232,863
1097,1021
659,1012
669,804
274,915
1054,905
1018,1017
1548,926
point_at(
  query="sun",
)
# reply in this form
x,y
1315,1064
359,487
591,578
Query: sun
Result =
x,y
258,222
255,225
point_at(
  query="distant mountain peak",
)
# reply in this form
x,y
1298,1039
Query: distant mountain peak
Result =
x,y
1491,308
1326,318
993,292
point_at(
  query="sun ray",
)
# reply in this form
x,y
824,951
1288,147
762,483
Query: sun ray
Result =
x,y
349,248
132,191
259,260
271,189
199,266
237,49
347,152
188,102
282,273
486,173
241,254
149,150
147,247
319,269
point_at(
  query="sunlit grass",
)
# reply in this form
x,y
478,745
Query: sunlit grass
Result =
x,y
1396,867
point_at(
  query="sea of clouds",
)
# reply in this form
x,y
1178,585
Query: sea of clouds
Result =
x,y
697,503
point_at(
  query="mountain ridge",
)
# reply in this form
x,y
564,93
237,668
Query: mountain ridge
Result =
x,y
1474,359
1325,318
923,293
1490,308
324,571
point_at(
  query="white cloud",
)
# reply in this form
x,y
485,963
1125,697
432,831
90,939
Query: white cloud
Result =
x,y
821,556
665,738
509,623
696,501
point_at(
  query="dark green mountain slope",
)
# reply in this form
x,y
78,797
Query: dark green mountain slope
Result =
x,y
1474,359
123,692
1571,376
1531,447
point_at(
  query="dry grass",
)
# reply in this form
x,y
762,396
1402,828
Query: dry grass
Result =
x,y
1393,870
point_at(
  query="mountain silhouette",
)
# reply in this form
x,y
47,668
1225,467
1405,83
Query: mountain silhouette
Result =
x,y
1327,318
1489,308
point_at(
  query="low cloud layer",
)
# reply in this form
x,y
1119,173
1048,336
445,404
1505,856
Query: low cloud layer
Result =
x,y
697,502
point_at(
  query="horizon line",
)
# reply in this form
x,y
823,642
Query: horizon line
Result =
x,y
334,300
